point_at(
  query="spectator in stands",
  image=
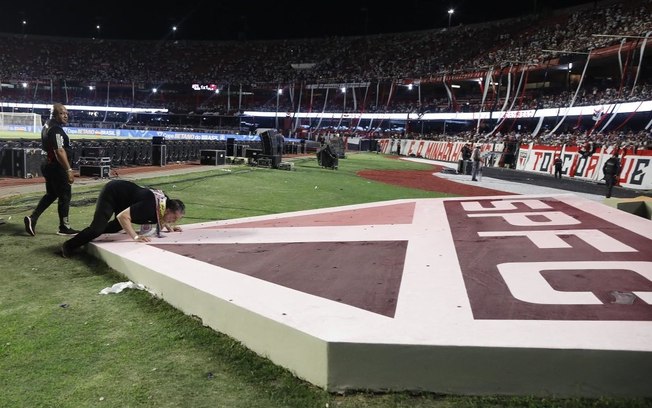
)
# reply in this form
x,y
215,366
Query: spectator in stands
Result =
x,y
57,171
588,149
129,203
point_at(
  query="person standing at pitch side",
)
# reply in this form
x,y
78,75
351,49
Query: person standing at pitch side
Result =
x,y
611,171
477,163
559,164
57,172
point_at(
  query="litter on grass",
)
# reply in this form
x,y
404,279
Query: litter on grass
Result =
x,y
120,286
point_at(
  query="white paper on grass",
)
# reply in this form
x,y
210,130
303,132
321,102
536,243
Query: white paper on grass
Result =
x,y
120,286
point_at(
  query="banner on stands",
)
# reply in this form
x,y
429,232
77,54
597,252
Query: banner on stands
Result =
x,y
578,162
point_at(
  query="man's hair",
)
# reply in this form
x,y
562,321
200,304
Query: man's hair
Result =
x,y
175,205
57,107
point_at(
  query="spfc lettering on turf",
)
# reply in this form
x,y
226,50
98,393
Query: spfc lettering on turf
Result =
x,y
543,258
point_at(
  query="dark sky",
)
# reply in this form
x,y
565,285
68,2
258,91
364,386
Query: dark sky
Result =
x,y
238,19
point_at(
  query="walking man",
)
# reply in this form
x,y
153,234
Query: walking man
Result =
x,y
57,172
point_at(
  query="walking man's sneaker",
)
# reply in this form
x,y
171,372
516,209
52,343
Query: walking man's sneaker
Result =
x,y
67,231
29,226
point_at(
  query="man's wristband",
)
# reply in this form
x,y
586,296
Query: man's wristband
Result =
x,y
136,238
69,170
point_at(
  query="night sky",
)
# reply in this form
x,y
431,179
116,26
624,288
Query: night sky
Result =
x,y
242,20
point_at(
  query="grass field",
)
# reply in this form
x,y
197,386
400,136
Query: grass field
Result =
x,y
62,344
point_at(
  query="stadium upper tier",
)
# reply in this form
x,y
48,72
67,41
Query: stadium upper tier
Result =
x,y
550,40
596,56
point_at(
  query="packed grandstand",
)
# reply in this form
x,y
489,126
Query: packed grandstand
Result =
x,y
566,78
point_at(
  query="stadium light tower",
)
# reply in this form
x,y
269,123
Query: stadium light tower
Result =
x,y
450,15
174,32
98,28
279,92
24,25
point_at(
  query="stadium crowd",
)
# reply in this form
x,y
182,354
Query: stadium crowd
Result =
x,y
102,72
421,54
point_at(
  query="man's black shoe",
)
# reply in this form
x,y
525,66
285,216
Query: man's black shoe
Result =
x,y
67,231
29,226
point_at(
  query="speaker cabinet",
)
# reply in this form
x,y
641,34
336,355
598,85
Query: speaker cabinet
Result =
x,y
26,163
272,143
159,155
230,146
158,140
7,162
95,151
252,154
326,158
268,141
212,157
94,171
